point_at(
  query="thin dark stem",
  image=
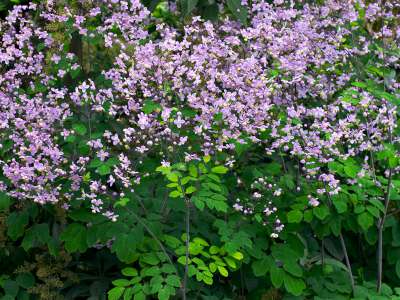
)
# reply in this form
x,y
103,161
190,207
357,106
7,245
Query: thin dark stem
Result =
x,y
380,259
298,175
283,162
344,248
346,257
187,242
164,203
187,223
140,200
139,220
381,224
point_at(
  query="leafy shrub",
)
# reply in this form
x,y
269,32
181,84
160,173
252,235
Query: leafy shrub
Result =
x,y
199,150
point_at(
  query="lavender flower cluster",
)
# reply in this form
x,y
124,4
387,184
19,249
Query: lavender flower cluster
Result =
x,y
185,93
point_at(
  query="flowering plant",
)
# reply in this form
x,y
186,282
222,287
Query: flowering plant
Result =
x,y
126,125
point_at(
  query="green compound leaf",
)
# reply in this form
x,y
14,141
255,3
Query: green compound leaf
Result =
x,y
262,267
16,223
276,276
219,170
104,170
365,220
293,285
223,271
121,282
115,293
79,129
321,212
295,216
74,238
293,268
25,280
125,247
173,280
130,272
5,201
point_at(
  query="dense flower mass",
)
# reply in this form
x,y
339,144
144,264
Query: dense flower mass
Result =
x,y
184,93
196,140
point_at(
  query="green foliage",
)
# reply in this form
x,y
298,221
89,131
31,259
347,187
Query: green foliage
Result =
x,y
238,10
48,251
187,6
75,238
199,183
